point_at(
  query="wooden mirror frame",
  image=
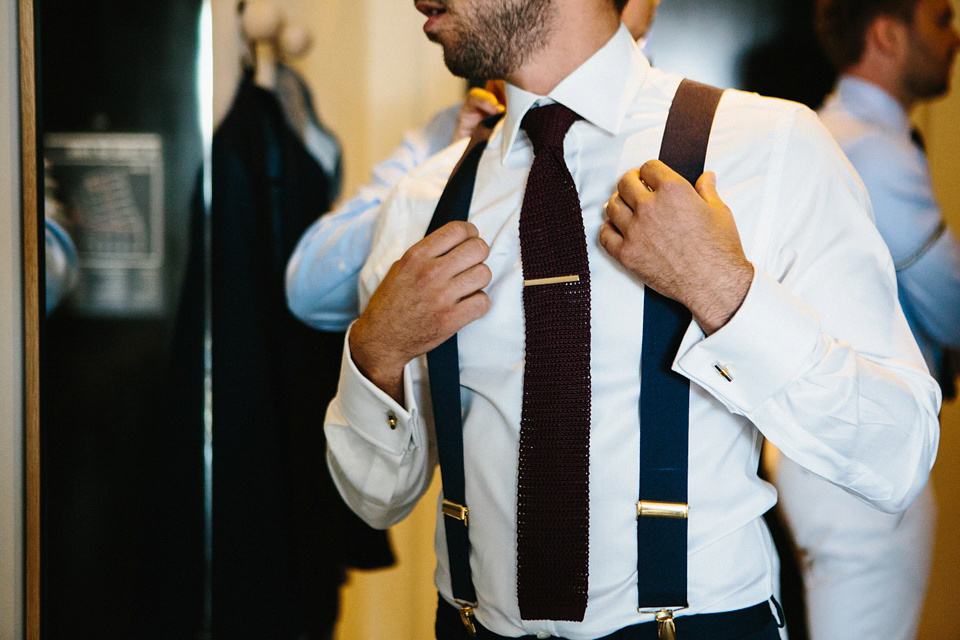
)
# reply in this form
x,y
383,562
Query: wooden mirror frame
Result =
x,y
30,168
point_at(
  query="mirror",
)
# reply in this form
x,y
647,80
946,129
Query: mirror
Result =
x,y
172,333
122,489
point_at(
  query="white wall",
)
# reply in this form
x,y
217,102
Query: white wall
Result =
x,y
11,332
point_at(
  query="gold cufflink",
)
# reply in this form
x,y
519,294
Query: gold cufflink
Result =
x,y
723,371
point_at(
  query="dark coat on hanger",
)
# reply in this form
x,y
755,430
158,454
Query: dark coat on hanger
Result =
x,y
282,537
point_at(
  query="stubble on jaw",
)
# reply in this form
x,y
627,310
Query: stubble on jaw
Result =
x,y
494,44
923,76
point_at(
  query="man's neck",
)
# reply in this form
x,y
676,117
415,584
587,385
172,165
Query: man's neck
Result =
x,y
579,31
884,81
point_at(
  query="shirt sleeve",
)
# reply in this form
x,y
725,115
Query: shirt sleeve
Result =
x,y
382,455
379,453
321,278
925,252
62,268
819,356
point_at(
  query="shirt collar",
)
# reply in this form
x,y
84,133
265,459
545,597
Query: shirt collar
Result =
x,y
869,102
600,90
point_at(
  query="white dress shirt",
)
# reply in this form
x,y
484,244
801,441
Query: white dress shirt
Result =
x,y
866,572
821,358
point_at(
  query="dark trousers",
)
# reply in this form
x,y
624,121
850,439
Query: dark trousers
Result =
x,y
753,623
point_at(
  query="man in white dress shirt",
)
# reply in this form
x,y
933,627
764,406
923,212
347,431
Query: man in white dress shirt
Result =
x,y
866,572
796,334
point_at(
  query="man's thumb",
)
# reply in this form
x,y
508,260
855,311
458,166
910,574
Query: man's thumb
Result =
x,y
707,186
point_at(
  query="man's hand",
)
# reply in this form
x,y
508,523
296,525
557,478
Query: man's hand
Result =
x,y
428,295
479,105
681,241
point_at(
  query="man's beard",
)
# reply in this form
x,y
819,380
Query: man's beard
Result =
x,y
495,44
926,86
925,78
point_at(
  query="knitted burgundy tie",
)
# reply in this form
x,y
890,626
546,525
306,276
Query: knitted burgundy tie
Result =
x,y
552,491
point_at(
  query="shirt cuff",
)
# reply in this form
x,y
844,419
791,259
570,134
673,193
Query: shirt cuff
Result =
x,y
757,352
374,415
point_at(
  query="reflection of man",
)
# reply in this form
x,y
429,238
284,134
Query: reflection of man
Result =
x,y
795,332
61,262
322,275
866,572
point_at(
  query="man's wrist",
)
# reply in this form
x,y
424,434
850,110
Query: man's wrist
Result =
x,y
723,298
374,363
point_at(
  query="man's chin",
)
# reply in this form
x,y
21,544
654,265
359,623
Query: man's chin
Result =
x,y
454,67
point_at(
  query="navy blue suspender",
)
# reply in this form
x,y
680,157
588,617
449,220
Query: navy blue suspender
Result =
x,y
443,366
664,395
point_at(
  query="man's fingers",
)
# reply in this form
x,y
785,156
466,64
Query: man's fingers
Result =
x,y
478,105
654,173
470,308
707,188
633,188
473,279
446,262
473,250
464,266
484,101
444,239
620,213
498,90
610,238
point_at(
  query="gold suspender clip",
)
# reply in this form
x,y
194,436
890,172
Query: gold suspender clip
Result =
x,y
653,509
666,629
459,512
455,511
467,614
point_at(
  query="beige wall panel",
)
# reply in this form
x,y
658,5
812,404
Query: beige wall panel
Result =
x,y
372,73
940,122
400,602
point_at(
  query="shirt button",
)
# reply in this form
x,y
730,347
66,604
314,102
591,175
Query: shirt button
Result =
x,y
543,634
392,419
